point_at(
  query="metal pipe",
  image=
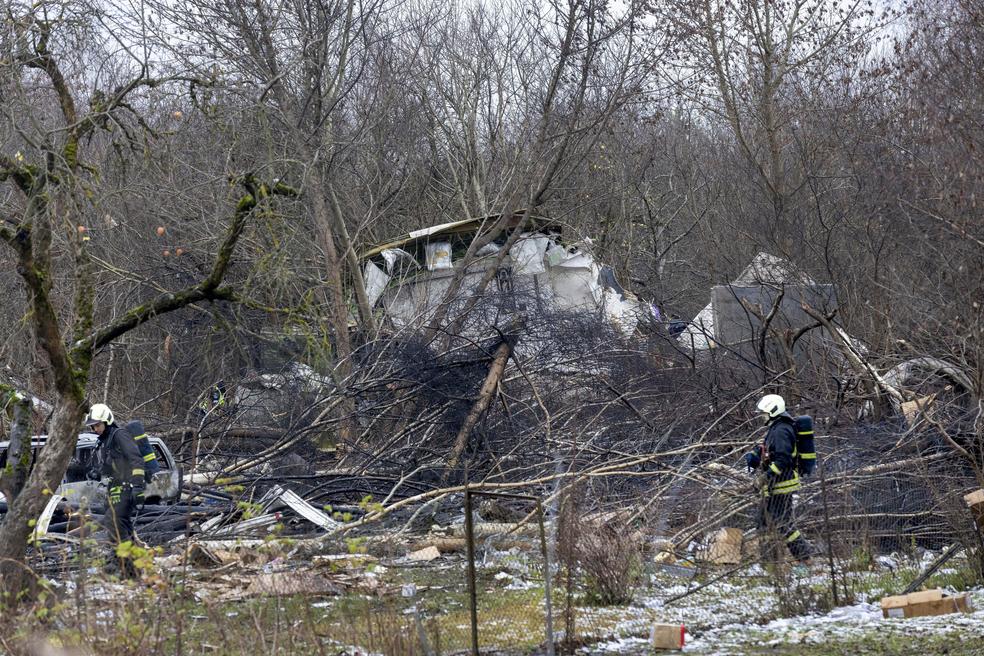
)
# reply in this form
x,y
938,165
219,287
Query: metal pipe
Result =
x,y
472,594
546,579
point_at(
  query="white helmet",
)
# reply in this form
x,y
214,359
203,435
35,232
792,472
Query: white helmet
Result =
x,y
772,405
99,413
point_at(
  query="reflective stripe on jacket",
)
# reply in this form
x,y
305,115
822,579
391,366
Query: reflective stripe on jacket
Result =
x,y
780,445
136,428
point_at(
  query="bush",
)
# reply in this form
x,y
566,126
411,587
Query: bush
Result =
x,y
611,565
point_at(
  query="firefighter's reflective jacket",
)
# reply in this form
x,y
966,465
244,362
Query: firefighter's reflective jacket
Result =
x,y
780,463
119,457
215,399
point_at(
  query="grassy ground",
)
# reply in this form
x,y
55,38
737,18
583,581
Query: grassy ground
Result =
x,y
736,616
953,644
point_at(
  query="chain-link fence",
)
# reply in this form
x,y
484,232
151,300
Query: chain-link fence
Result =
x,y
497,621
489,592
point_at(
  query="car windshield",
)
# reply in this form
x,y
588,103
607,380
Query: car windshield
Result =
x,y
82,462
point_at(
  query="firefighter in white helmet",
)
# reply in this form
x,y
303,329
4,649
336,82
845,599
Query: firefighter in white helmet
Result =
x,y
776,457
118,459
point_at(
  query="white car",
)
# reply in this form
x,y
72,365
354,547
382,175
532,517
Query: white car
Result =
x,y
79,490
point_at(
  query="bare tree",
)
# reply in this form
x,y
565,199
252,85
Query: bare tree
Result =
x,y
516,101
751,64
44,226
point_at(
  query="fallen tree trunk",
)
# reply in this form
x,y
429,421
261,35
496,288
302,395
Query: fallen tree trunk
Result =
x,y
485,396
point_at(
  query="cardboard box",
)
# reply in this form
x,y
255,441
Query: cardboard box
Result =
x,y
975,501
667,636
726,547
974,498
924,604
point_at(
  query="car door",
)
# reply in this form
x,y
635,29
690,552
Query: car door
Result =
x,y
77,489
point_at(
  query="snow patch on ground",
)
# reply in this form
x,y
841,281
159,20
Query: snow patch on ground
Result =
x,y
840,624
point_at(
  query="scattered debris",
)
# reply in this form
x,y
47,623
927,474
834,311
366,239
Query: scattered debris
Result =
x,y
345,561
514,582
975,501
887,562
681,569
486,529
425,555
201,556
725,547
281,584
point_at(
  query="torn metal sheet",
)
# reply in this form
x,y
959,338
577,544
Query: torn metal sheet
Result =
x,y
41,528
249,525
464,226
211,523
376,280
269,498
392,256
307,511
278,497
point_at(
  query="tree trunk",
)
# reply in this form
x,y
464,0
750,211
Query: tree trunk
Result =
x,y
15,473
339,312
15,577
352,259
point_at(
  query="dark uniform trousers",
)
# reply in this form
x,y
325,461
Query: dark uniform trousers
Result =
x,y
776,522
120,509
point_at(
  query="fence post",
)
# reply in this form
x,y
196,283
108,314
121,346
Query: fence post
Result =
x,y
470,545
830,541
546,579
